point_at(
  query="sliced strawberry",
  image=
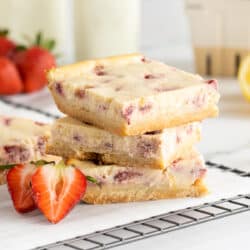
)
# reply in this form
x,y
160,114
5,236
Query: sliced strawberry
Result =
x,y
57,189
19,185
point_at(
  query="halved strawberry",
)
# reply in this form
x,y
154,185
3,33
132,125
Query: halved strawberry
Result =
x,y
19,185
57,189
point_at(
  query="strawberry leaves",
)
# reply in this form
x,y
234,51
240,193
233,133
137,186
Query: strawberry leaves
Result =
x,y
92,179
40,41
36,163
7,166
42,162
4,32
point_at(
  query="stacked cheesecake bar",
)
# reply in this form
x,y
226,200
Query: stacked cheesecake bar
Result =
x,y
21,141
132,124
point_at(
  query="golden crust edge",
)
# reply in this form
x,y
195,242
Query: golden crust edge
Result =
x,y
198,189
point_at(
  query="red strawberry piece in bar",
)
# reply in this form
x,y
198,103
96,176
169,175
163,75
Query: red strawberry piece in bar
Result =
x,y
16,153
59,88
147,148
127,113
146,108
124,176
99,70
80,93
213,83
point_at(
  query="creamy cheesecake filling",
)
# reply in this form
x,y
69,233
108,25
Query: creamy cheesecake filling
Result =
x,y
176,140
76,138
20,151
21,140
12,127
181,100
172,103
182,173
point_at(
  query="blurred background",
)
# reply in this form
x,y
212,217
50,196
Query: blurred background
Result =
x,y
93,28
210,38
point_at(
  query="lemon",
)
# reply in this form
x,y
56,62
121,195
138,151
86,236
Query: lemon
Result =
x,y
244,77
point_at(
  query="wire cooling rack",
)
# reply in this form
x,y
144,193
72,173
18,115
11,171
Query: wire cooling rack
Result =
x,y
159,224
156,225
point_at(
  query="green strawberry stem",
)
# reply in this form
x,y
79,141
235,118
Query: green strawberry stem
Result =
x,y
7,166
91,179
40,41
36,163
20,47
4,32
62,164
42,162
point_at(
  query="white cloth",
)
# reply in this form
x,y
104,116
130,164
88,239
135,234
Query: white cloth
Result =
x,y
40,100
22,232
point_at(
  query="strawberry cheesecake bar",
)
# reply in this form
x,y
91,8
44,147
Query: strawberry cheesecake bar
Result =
x,y
131,95
21,140
117,183
71,138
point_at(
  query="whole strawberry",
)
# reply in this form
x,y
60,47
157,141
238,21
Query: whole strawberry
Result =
x,y
7,46
34,62
10,81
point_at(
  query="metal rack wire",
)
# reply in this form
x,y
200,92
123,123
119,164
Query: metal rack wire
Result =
x,y
159,224
228,169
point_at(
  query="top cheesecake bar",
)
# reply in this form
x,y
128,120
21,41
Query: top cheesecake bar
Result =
x,y
131,95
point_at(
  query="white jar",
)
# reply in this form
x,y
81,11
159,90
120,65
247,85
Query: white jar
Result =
x,y
105,28
52,17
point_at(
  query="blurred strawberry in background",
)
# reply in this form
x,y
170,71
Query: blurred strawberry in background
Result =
x,y
33,62
7,46
10,80
30,64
